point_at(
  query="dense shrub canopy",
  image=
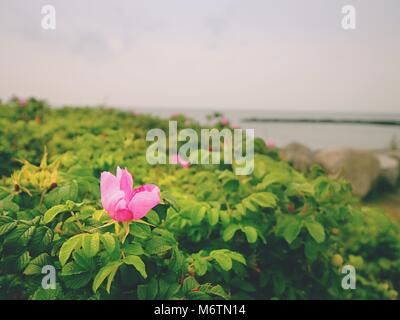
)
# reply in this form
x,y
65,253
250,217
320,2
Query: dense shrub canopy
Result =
x,y
275,234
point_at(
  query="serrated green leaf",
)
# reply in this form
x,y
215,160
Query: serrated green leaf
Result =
x,y
292,230
7,227
218,291
78,281
316,230
152,217
90,244
35,265
200,265
212,216
53,212
157,245
223,259
108,242
14,237
138,263
140,230
230,231
71,268
104,273
83,261
68,246
198,214
133,249
236,256
42,238
23,260
264,199
251,234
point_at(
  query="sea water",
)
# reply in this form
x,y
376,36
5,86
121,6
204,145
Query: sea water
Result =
x,y
314,135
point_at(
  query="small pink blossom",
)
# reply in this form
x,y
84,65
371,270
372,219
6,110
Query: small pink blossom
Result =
x,y
235,126
270,143
176,114
177,159
22,103
122,201
224,121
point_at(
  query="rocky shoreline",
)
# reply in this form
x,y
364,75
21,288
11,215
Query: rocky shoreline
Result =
x,y
364,169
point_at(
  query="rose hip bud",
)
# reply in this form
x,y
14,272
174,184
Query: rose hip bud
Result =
x,y
53,185
335,231
196,290
291,208
337,260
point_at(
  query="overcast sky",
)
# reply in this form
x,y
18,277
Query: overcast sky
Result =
x,y
286,55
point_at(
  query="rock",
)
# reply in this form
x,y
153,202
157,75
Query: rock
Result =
x,y
389,169
360,168
300,156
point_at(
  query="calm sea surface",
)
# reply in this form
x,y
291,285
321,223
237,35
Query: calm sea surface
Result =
x,y
314,135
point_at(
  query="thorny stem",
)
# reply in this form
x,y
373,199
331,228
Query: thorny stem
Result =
x,y
126,227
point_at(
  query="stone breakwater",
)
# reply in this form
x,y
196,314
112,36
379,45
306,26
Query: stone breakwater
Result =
x,y
364,169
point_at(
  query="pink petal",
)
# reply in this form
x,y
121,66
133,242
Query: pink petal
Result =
x,y
224,121
122,212
125,182
173,159
184,163
270,143
123,215
176,158
110,191
144,199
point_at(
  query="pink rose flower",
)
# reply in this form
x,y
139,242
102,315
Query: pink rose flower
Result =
x,y
122,201
22,103
177,159
270,143
224,121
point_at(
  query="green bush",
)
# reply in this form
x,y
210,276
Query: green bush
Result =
x,y
275,234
